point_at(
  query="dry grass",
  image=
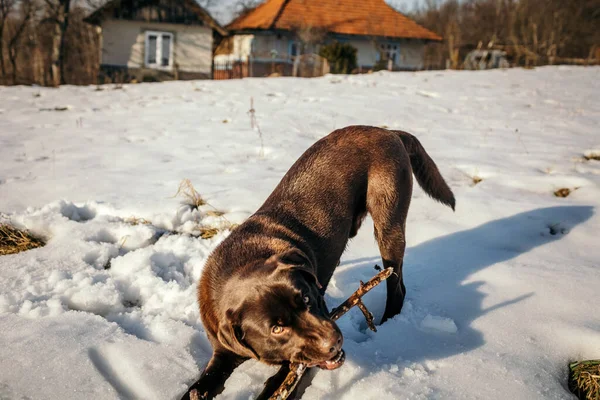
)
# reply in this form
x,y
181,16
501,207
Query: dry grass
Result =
x,y
194,199
564,192
133,220
13,240
584,379
476,179
215,213
208,232
592,156
189,194
254,125
473,177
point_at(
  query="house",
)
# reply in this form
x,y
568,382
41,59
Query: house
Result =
x,y
156,39
276,31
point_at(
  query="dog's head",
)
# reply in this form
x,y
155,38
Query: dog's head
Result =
x,y
281,316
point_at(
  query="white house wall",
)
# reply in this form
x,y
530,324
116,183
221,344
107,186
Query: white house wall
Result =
x,y
264,44
241,49
366,54
123,44
410,52
261,45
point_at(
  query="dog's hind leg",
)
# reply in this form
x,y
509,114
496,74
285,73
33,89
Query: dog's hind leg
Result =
x,y
388,198
212,380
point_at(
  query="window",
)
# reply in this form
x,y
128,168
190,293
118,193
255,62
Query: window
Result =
x,y
159,50
388,52
293,50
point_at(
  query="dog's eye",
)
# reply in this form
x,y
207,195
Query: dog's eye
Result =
x,y
277,330
306,299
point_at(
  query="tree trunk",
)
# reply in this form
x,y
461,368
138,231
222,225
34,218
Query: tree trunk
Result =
x,y
55,58
63,38
13,44
13,62
2,68
55,50
38,73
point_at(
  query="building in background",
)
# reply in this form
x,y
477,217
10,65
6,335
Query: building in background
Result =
x,y
271,35
156,40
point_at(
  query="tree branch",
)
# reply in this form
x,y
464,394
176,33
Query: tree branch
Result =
x,y
297,370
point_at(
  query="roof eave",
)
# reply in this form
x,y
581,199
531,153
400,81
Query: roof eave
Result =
x,y
245,31
96,17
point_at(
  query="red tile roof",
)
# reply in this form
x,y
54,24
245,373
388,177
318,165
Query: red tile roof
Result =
x,y
349,17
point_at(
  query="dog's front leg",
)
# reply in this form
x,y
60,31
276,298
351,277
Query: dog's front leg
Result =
x,y
274,382
212,381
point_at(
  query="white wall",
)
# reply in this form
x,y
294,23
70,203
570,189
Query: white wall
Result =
x,y
410,53
264,44
241,49
260,45
366,55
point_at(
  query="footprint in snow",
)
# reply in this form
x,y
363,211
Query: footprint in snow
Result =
x,y
77,214
438,324
118,239
103,236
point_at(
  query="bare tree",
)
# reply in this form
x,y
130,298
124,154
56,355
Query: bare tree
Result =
x,y
47,42
58,16
206,3
28,9
533,32
311,35
243,7
6,7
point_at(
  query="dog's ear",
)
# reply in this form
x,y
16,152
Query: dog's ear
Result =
x,y
231,334
295,259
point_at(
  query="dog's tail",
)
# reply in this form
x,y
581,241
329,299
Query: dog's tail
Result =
x,y
426,171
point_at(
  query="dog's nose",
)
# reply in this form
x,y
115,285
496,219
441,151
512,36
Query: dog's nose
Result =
x,y
333,344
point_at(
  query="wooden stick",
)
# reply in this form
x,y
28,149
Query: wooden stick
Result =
x,y
367,314
296,369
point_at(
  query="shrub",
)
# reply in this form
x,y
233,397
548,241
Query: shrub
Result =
x,y
341,57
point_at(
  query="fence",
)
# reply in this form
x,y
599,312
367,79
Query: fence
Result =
x,y
306,66
229,69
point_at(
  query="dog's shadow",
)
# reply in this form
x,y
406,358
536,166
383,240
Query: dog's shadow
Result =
x,y
438,276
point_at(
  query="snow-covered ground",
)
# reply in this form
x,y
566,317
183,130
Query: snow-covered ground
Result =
x,y
501,294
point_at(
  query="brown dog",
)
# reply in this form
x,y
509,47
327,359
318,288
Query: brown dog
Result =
x,y
261,291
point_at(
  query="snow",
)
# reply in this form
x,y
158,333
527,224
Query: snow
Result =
x,y
440,324
501,294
